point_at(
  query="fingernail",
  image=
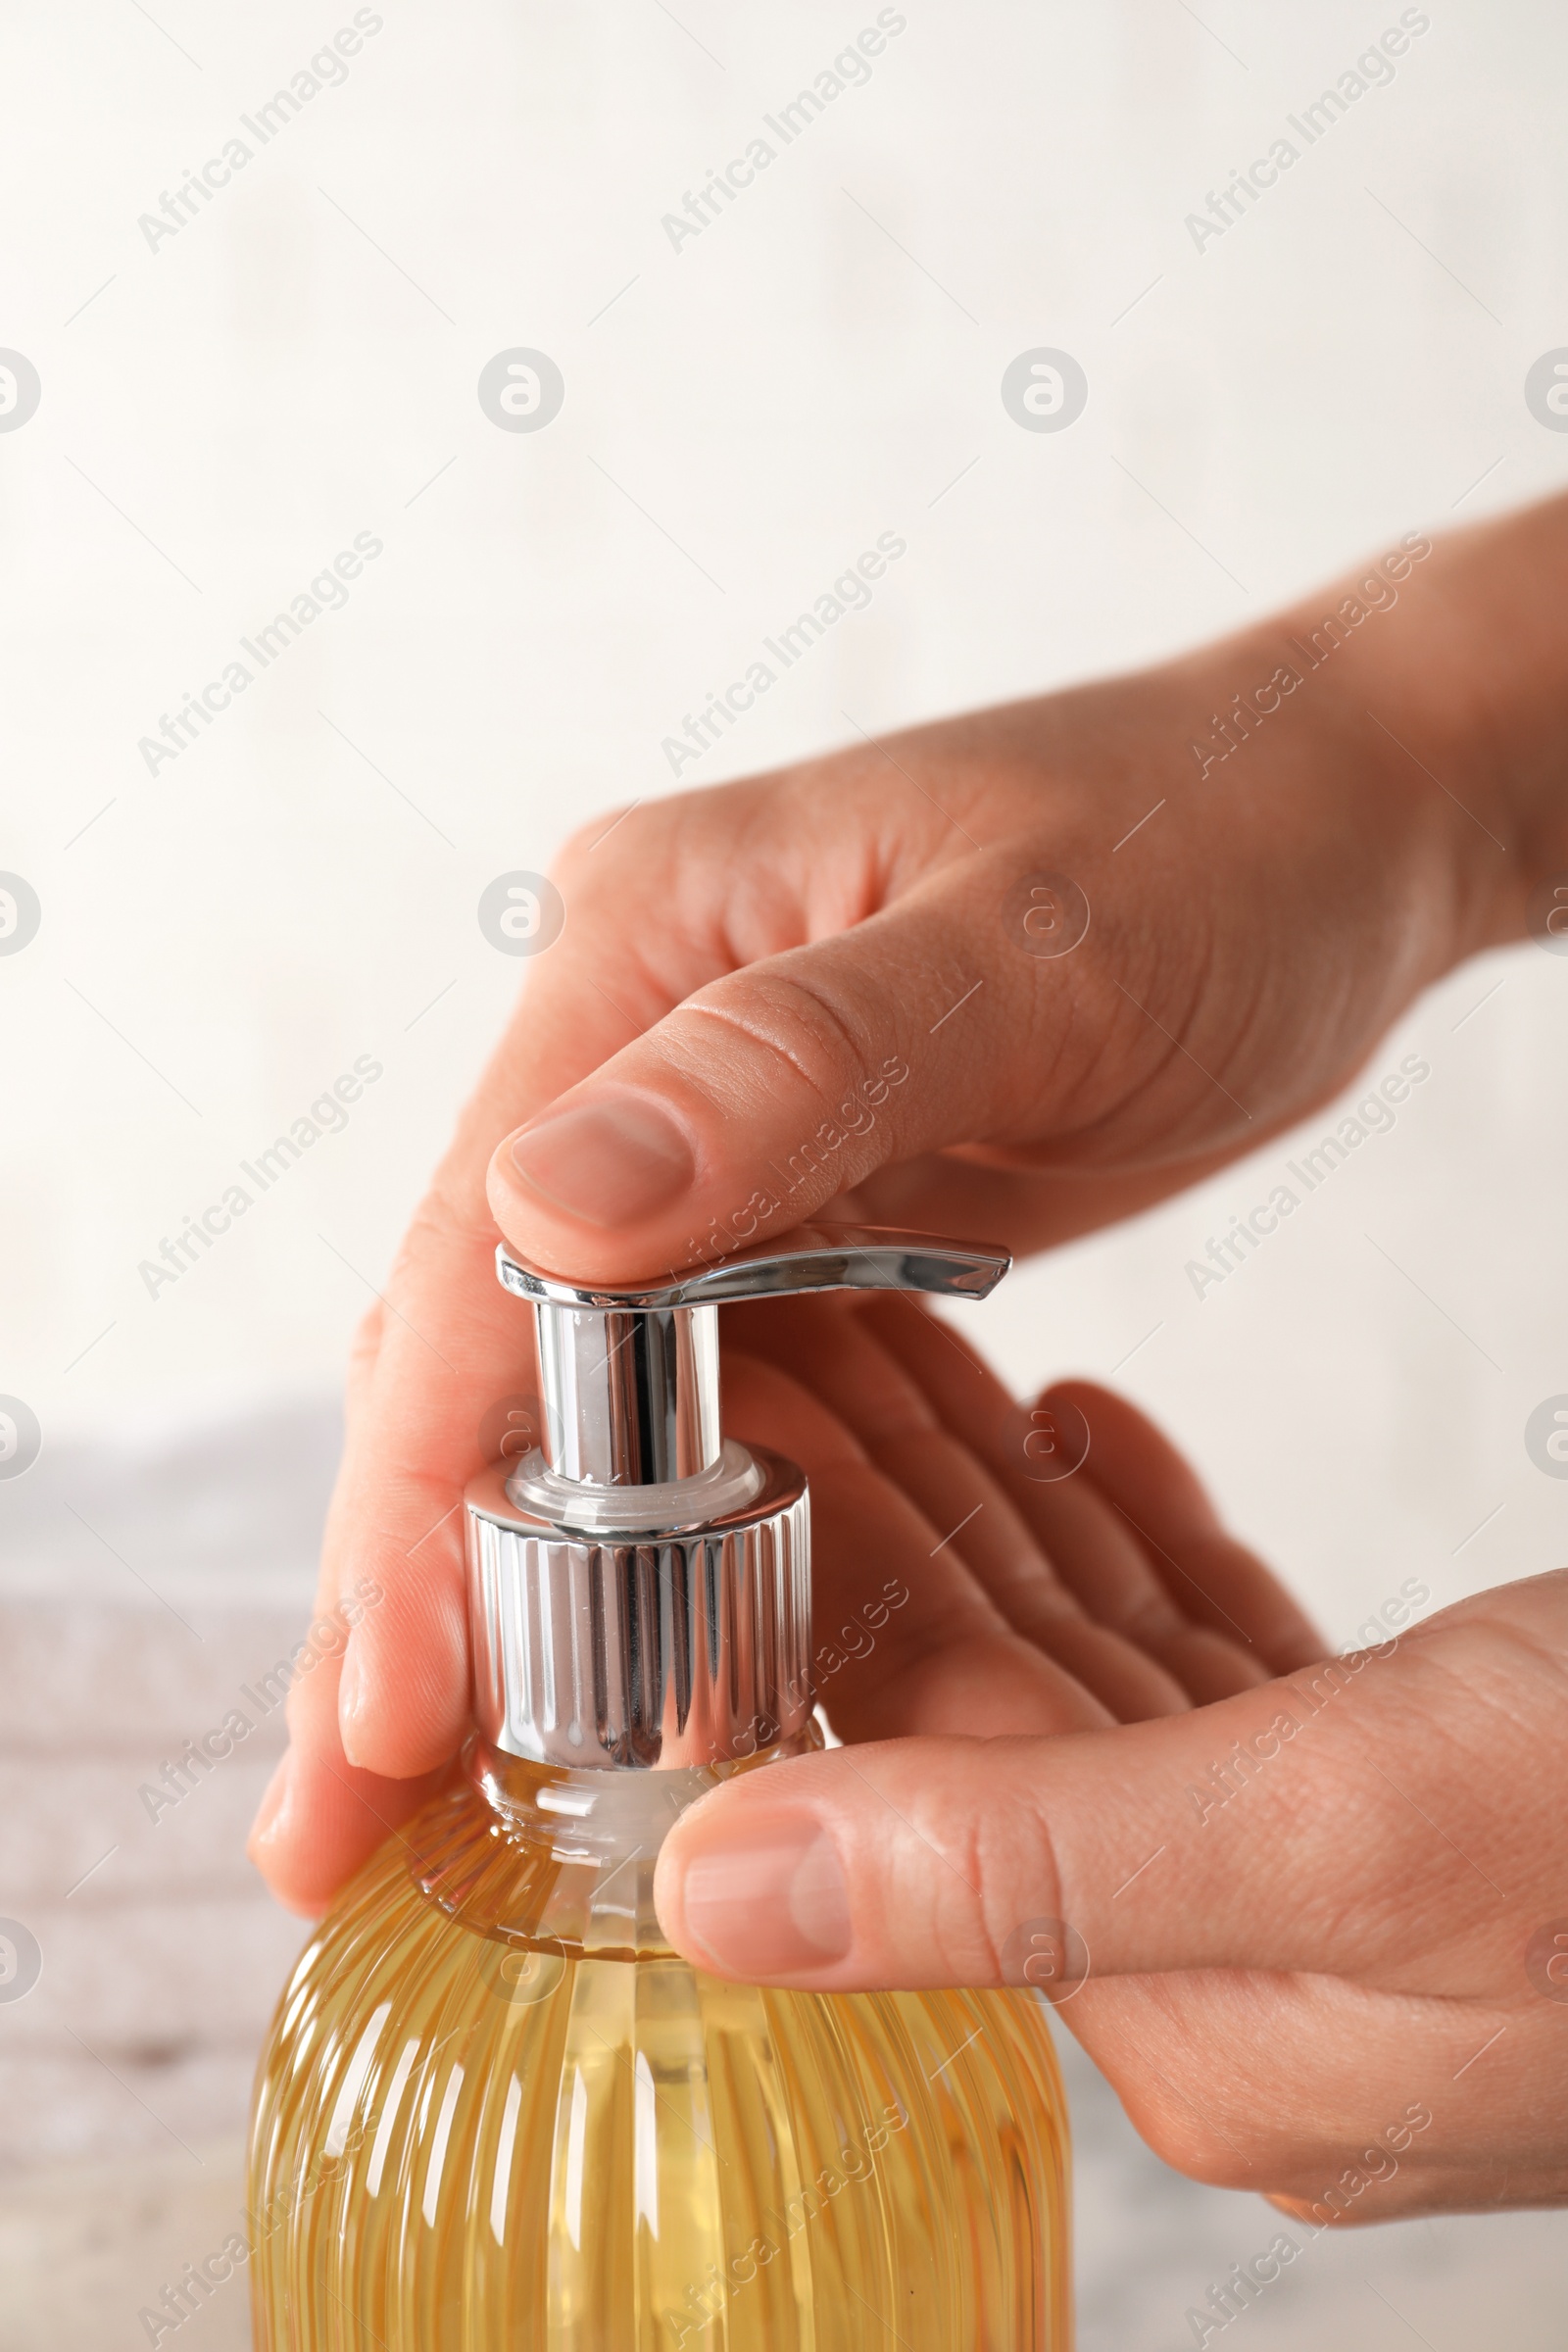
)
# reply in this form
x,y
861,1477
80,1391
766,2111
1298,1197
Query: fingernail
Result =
x,y
609,1161
272,1801
771,1904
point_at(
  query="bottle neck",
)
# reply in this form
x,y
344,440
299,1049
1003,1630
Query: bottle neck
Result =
x,y
564,1860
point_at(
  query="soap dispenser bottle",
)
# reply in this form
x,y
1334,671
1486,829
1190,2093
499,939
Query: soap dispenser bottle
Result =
x,y
496,2111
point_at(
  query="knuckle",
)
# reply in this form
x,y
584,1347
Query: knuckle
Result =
x,y
439,1221
570,861
366,1345
971,1951
1011,1860
813,1028
996,1847
604,844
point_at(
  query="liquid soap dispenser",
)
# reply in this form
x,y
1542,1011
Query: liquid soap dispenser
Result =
x,y
496,2112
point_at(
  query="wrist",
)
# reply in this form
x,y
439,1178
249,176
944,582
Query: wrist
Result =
x,y
1335,749
1463,698
1423,720
1507,584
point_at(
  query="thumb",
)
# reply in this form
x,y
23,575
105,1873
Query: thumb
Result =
x,y
775,1087
1261,1833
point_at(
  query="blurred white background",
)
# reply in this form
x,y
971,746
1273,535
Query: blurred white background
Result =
x,y
223,413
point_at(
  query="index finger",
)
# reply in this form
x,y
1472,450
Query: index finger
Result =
x,y
443,1361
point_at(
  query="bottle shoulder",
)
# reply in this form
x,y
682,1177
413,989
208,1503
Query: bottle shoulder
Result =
x,y
452,2093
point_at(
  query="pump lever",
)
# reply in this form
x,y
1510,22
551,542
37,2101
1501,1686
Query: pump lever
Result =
x,y
642,1584
812,1257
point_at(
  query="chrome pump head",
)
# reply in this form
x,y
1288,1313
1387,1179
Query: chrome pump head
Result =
x,y
640,1585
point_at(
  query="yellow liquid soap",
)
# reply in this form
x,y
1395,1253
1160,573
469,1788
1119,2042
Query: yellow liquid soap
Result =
x,y
496,2113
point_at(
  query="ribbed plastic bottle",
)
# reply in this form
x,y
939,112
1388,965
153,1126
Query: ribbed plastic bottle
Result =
x,y
496,2112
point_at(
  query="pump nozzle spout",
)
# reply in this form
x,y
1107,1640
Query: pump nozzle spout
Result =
x,y
640,1589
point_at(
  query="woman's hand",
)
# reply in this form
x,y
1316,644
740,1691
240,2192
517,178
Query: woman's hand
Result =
x,y
826,987
1316,1932
961,1583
